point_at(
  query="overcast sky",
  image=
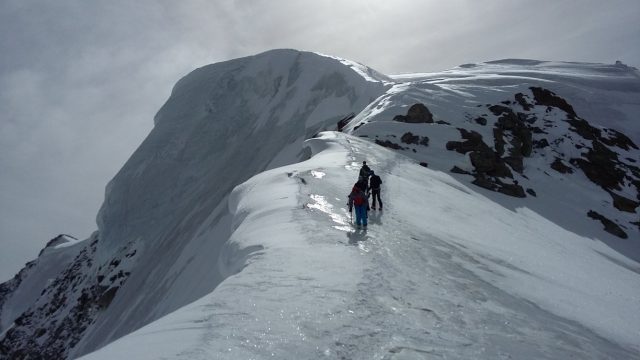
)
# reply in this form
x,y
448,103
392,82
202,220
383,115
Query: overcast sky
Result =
x,y
80,81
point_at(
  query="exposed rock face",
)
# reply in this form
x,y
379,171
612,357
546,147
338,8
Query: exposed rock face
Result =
x,y
560,167
550,99
344,121
518,134
623,204
46,331
67,306
488,165
481,120
609,226
389,144
7,288
521,136
520,98
418,113
409,138
603,166
599,160
457,170
599,164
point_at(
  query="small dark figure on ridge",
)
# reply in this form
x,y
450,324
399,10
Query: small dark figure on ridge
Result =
x,y
365,170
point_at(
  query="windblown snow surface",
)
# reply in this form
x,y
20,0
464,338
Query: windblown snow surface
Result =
x,y
226,235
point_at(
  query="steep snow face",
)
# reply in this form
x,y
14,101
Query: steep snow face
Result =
x,y
222,124
442,272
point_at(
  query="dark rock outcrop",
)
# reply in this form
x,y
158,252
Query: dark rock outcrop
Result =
x,y
624,204
481,120
409,138
522,138
609,226
618,139
548,98
600,165
389,144
67,306
482,157
495,184
489,167
344,121
58,314
560,167
520,98
457,170
417,113
540,144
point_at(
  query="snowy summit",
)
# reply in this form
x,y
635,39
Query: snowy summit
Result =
x,y
510,229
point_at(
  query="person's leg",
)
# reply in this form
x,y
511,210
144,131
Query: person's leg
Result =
x,y
373,196
358,215
376,194
364,216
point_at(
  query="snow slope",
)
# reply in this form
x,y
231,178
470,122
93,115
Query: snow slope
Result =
x,y
425,280
605,96
223,237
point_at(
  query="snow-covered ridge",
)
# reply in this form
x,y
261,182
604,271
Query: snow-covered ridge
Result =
x,y
437,280
204,209
163,222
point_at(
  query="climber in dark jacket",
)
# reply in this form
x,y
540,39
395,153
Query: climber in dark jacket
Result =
x,y
374,185
365,170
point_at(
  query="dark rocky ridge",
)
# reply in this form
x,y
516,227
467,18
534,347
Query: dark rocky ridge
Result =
x,y
57,321
519,132
609,226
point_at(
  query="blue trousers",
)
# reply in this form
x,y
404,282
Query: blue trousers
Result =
x,y
361,214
